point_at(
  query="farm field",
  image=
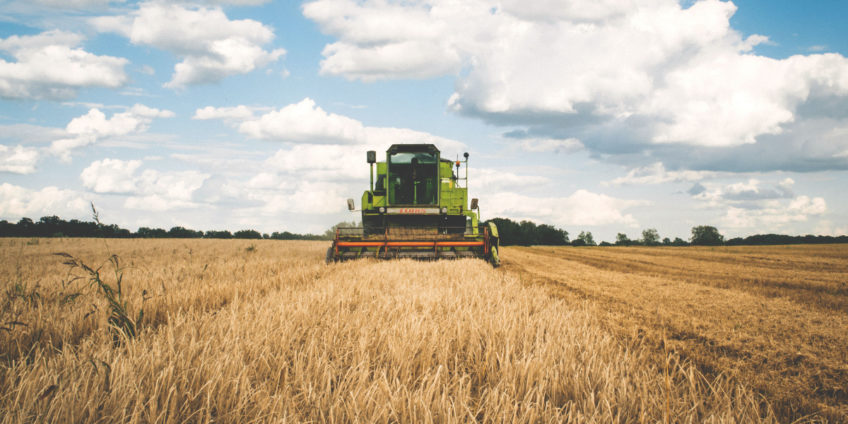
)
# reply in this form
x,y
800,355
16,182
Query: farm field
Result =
x,y
258,331
775,317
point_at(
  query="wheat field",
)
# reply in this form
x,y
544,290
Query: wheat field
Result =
x,y
263,331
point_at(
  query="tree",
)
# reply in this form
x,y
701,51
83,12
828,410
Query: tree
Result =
x,y
590,241
679,242
510,232
285,235
666,241
7,229
49,226
622,240
550,236
145,232
736,241
526,233
26,227
113,231
651,237
331,233
706,235
181,232
584,239
77,228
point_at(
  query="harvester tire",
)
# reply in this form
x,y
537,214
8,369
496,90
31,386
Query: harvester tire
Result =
x,y
329,258
496,261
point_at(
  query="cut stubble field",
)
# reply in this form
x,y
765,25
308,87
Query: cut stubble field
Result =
x,y
773,317
264,331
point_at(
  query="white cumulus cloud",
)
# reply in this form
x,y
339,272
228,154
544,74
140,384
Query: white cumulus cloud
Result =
x,y
239,112
808,206
729,99
494,180
387,40
580,208
749,193
18,159
149,189
51,65
551,145
756,207
307,123
94,126
651,73
774,216
210,45
232,2
316,162
76,4
306,197
657,174
18,202
110,176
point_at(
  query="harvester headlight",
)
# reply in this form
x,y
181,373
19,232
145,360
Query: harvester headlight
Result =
x,y
382,209
444,210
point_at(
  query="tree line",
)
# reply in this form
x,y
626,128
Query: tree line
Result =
x,y
53,226
522,233
771,239
527,233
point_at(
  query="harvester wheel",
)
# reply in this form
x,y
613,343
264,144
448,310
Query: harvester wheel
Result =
x,y
329,258
496,261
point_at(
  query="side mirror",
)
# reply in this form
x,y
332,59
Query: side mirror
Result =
x,y
350,205
372,156
474,203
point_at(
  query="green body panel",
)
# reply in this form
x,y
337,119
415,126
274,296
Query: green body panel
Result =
x,y
449,197
416,208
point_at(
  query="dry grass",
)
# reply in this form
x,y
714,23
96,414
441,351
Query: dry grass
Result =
x,y
774,317
238,334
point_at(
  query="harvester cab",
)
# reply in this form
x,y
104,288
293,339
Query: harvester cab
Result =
x,y
417,209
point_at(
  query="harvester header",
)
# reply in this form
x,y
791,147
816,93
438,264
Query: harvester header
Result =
x,y
417,207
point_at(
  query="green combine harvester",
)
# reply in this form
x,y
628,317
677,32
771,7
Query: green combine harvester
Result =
x,y
417,209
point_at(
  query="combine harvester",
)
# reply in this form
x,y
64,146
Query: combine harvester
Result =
x,y
418,210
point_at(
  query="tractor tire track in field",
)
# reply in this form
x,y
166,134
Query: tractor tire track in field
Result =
x,y
789,341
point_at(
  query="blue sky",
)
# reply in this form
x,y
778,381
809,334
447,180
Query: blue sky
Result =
x,y
602,116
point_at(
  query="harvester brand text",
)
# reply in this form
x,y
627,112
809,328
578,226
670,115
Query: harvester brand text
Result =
x,y
415,211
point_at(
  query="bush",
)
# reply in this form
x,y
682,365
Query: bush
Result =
x,y
247,234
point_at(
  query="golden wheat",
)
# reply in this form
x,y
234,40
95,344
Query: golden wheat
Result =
x,y
271,334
